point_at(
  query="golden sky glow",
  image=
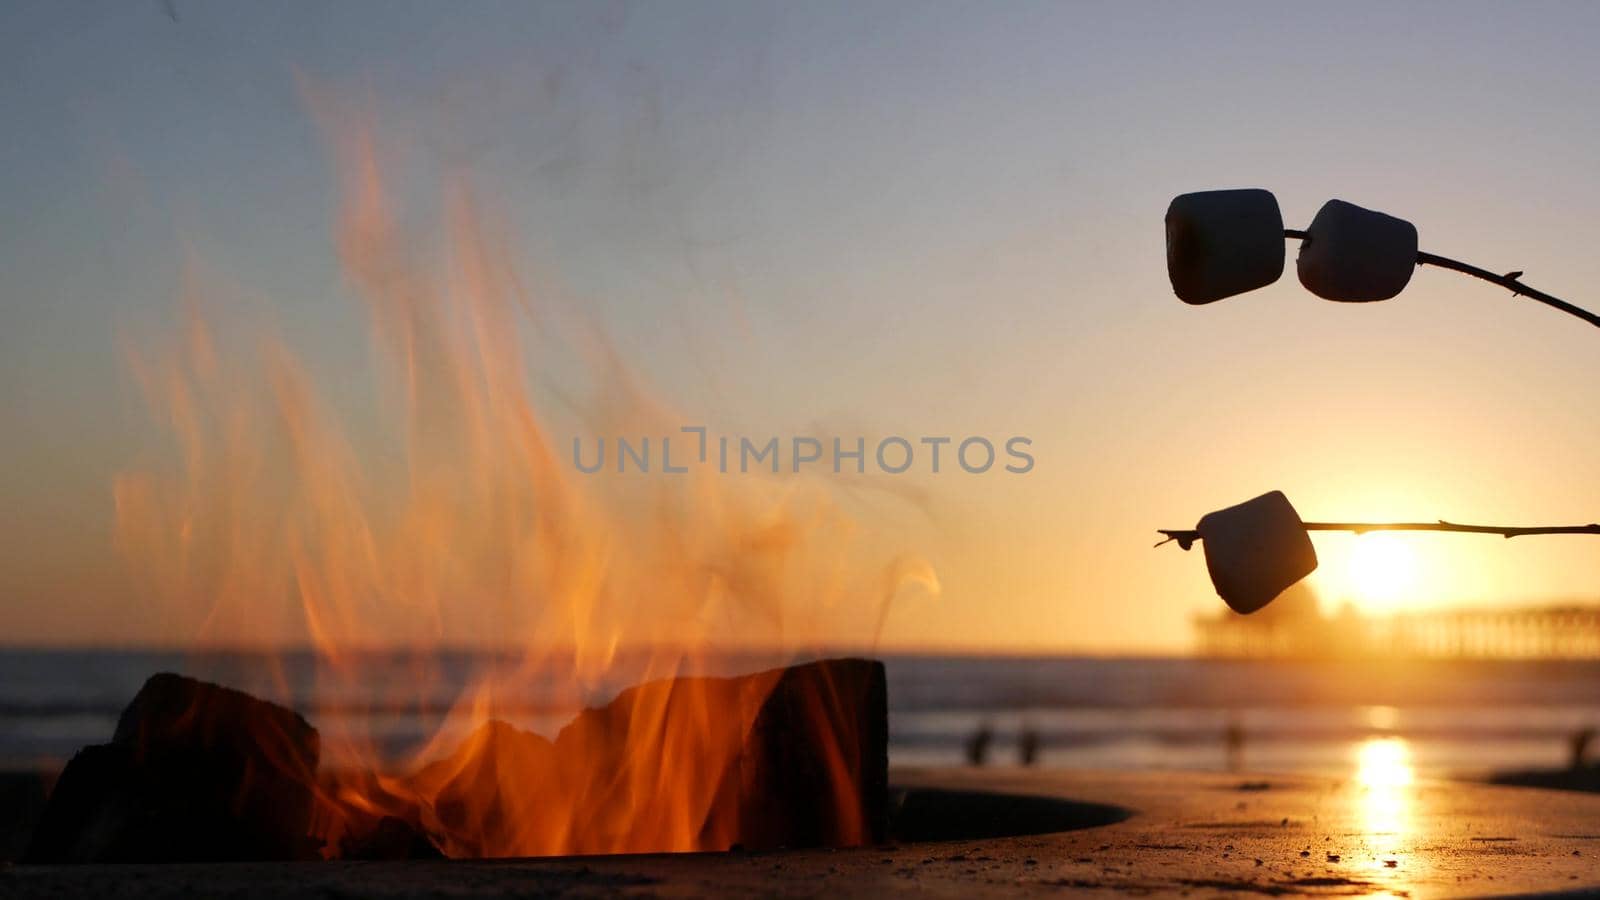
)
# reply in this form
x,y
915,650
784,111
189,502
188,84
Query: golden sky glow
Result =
x,y
844,223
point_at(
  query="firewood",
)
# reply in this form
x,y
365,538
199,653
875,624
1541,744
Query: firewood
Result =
x,y
808,766
194,772
814,770
784,758
812,764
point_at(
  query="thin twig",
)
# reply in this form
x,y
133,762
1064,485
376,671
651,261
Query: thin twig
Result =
x,y
1187,536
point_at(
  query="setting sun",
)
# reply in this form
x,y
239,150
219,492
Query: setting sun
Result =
x,y
1382,571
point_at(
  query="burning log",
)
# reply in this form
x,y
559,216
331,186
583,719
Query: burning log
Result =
x,y
814,769
194,772
812,762
490,794
805,764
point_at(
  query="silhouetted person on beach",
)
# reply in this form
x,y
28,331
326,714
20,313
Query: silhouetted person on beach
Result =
x,y
978,745
1579,747
1027,745
1233,745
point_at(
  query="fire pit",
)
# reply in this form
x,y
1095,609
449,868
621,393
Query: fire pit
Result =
x,y
941,814
197,772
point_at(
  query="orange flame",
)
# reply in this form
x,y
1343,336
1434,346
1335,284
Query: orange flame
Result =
x,y
281,524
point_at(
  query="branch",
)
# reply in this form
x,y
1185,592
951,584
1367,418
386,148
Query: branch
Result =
x,y
1186,537
1510,281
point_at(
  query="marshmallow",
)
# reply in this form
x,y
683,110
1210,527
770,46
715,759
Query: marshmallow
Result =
x,y
1221,243
1255,550
1355,255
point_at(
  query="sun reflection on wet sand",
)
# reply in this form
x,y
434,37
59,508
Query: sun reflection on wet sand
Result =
x,y
1385,775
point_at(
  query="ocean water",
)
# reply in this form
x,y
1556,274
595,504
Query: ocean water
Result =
x,y
1449,718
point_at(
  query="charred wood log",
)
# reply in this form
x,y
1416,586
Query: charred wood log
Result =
x,y
803,762
194,772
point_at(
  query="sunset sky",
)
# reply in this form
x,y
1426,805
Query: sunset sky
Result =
x,y
859,219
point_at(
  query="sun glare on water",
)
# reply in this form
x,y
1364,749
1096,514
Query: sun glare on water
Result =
x,y
1384,763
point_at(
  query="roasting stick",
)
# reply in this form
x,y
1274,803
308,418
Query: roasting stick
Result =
x,y
1187,536
1510,281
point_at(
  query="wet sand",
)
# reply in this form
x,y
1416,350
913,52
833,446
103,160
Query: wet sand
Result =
x,y
1199,834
